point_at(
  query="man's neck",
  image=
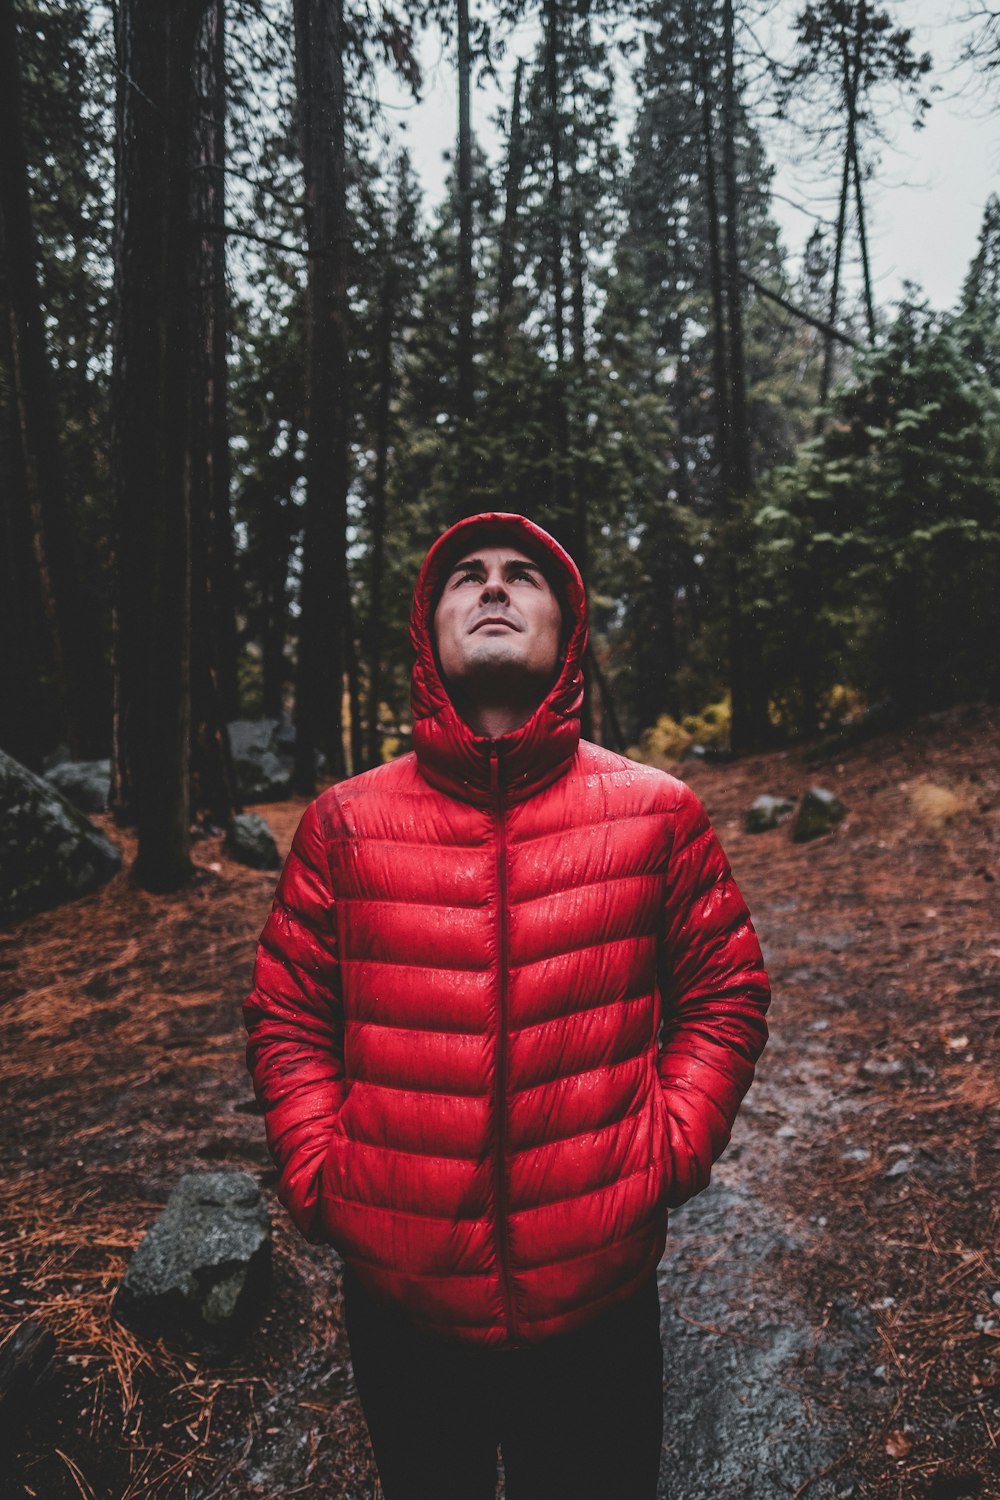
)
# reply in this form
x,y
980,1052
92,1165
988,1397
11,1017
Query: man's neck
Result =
x,y
493,720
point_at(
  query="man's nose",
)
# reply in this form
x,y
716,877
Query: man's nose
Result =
x,y
494,591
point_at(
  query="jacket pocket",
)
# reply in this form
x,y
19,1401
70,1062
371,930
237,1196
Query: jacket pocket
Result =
x,y
335,1174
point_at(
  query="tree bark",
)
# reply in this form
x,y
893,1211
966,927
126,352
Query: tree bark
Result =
x,y
377,526
740,432
859,36
850,88
150,399
749,707
578,531
213,684
275,545
31,715
323,641
465,366
720,361
55,546
508,232
560,414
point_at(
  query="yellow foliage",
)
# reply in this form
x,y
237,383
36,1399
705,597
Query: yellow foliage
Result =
x,y
665,742
712,726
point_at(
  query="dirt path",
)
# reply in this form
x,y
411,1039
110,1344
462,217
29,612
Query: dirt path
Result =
x,y
756,1367
831,1303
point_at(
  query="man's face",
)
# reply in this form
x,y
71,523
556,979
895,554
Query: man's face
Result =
x,y
498,625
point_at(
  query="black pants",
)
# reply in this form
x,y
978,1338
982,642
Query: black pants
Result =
x,y
576,1418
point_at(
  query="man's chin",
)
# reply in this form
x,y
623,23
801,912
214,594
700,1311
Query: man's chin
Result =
x,y
497,670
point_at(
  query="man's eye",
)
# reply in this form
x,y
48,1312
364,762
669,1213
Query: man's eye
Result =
x,y
471,576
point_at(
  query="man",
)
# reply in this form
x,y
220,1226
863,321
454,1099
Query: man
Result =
x,y
506,1006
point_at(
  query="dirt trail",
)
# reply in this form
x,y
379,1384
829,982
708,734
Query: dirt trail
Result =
x,y
831,1303
756,1368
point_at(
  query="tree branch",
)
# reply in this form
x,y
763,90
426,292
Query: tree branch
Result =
x,y
798,312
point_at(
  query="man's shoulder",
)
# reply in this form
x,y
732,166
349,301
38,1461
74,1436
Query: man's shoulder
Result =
x,y
393,779
647,784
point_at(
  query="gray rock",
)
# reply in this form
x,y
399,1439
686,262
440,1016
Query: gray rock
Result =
x,y
250,841
261,776
877,1067
85,783
766,813
899,1168
204,1264
49,852
819,812
56,757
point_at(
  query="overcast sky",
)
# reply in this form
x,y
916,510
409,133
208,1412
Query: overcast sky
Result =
x,y
927,201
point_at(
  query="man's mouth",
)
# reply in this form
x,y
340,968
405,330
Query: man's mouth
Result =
x,y
493,620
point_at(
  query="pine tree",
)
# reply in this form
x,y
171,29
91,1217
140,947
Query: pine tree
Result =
x,y
850,53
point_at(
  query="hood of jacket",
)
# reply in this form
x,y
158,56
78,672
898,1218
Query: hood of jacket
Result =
x,y
450,754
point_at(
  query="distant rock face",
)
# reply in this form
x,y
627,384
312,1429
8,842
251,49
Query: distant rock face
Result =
x,y
85,783
204,1264
766,813
819,812
250,841
261,776
49,852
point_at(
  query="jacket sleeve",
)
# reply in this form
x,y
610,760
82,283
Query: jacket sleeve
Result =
x,y
295,1023
715,993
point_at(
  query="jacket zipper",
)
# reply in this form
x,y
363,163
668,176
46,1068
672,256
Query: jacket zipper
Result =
x,y
503,1257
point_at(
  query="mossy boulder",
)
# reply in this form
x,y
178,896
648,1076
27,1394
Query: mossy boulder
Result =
x,y
49,852
766,813
819,812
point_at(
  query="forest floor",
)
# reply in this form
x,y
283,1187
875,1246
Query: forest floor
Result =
x,y
831,1304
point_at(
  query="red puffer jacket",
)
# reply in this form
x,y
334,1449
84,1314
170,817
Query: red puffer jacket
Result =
x,y
506,1006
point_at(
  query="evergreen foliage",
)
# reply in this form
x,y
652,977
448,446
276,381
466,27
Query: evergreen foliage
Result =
x,y
607,283
878,550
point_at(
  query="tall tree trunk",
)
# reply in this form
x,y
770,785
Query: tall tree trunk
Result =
x,y
32,395
273,584
323,637
213,606
826,372
722,356
560,414
866,268
151,395
578,272
31,716
578,530
512,198
749,707
355,737
377,527
465,368
740,430
720,361
850,79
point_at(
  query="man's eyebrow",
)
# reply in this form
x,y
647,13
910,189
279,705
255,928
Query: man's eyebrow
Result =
x,y
511,562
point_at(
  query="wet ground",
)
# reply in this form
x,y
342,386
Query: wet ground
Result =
x,y
755,1371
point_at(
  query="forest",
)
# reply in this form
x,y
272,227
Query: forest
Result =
x,y
253,361
247,374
